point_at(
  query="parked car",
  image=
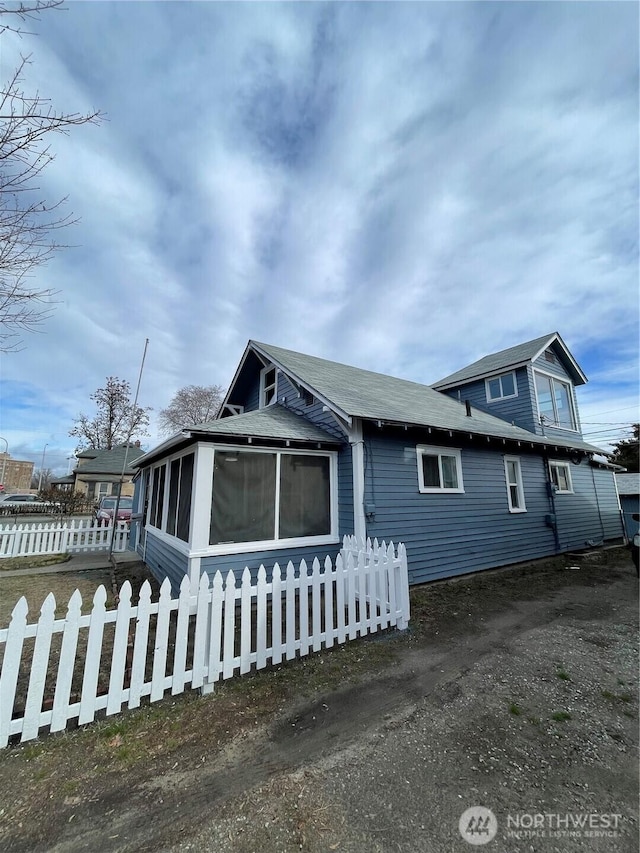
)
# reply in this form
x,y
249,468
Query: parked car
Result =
x,y
107,507
26,503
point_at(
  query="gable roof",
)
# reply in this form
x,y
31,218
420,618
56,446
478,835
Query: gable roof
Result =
x,y
108,461
355,393
508,359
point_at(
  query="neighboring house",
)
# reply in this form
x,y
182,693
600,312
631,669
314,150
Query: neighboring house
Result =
x,y
484,469
98,472
629,492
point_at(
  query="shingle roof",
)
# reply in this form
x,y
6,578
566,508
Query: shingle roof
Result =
x,y
273,422
374,396
628,484
509,358
109,461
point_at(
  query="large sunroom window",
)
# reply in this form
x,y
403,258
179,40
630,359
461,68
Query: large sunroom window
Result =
x,y
267,496
554,401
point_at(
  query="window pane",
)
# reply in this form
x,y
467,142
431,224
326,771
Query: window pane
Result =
x,y
449,472
515,498
430,472
563,405
305,505
512,470
494,388
160,476
174,482
184,503
545,400
508,387
243,505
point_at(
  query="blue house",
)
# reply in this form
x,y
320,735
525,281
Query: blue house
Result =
x,y
485,468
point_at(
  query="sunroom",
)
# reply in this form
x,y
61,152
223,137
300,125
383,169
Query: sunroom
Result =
x,y
260,487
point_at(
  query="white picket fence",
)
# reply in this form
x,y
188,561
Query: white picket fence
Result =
x,y
74,536
194,640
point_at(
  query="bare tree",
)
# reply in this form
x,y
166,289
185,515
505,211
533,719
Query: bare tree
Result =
x,y
191,405
41,478
115,421
28,223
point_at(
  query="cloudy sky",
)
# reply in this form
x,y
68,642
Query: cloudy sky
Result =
x,y
402,187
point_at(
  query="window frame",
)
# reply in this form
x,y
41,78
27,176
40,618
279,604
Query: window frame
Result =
x,y
502,396
572,407
264,388
559,463
423,450
518,484
152,508
330,538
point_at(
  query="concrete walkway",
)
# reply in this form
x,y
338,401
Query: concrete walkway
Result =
x,y
80,563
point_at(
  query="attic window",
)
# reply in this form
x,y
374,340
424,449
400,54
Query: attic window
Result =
x,y
550,356
501,387
307,397
268,384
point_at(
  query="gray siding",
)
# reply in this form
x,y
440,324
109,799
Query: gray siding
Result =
x,y
451,534
164,561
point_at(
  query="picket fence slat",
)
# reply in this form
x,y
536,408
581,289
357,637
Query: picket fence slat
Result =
x,y
224,626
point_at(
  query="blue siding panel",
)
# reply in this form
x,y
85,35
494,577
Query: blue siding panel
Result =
x,y
519,410
590,515
630,504
253,560
165,561
451,534
289,397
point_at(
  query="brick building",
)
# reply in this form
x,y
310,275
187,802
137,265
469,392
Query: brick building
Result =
x,y
15,474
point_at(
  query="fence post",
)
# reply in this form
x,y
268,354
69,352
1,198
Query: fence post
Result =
x,y
401,572
15,545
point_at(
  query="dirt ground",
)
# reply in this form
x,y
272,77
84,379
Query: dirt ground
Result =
x,y
512,690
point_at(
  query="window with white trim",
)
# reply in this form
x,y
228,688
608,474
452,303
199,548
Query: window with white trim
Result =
x,y
501,387
439,469
171,512
555,403
560,473
156,506
268,385
515,490
272,496
102,490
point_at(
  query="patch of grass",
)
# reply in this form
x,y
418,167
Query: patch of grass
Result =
x,y
515,709
617,697
563,675
561,716
13,563
535,721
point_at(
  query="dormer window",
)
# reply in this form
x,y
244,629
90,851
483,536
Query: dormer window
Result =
x,y
501,387
268,381
555,404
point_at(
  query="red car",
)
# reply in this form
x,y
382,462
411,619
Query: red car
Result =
x,y
105,511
